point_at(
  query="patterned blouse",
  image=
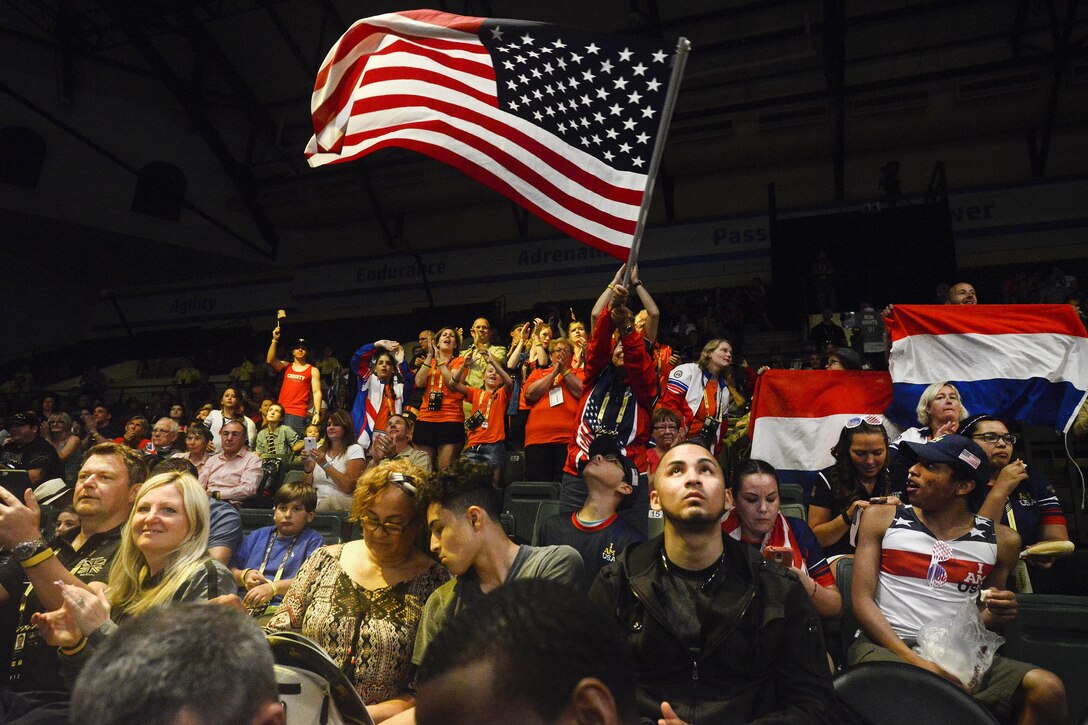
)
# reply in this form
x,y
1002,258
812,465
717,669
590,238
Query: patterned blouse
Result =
x,y
369,633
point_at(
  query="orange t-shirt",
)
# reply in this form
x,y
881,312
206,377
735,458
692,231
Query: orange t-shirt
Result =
x,y
493,406
551,423
451,411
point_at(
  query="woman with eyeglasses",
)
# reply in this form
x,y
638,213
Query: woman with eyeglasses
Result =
x,y
553,394
666,430
859,478
1018,498
361,601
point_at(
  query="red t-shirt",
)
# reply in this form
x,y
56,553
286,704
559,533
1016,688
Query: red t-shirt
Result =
x,y
551,423
296,390
493,406
452,410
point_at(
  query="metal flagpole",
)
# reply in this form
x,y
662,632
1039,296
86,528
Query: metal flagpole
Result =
x,y
683,47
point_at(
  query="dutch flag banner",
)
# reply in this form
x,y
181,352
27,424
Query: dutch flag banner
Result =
x,y
797,416
1024,362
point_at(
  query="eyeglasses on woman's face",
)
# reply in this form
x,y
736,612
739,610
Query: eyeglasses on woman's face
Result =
x,y
1007,438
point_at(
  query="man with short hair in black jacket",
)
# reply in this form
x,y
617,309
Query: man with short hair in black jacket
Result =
x,y
719,635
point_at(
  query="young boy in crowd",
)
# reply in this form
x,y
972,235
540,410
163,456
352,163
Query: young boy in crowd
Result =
x,y
276,440
269,558
487,422
596,530
66,519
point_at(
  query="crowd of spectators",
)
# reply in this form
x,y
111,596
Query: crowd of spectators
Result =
x,y
629,413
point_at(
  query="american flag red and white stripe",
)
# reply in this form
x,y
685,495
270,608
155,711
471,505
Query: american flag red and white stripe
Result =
x,y
560,121
923,579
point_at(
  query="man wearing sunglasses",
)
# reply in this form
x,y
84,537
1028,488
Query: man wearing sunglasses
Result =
x,y
920,563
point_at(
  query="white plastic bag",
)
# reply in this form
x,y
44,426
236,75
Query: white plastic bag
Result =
x,y
961,645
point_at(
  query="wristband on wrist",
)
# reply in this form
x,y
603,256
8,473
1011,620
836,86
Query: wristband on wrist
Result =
x,y
38,558
812,594
74,649
846,517
636,285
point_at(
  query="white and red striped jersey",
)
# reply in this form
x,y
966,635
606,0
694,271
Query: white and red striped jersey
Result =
x,y
923,578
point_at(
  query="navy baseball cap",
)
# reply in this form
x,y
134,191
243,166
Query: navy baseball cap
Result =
x,y
964,455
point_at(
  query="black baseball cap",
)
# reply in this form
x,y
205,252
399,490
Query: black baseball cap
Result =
x,y
607,445
964,456
27,418
850,358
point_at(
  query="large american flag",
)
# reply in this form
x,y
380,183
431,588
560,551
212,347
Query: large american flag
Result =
x,y
560,121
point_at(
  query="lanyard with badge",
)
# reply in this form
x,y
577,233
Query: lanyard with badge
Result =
x,y
259,610
555,395
437,385
480,418
601,428
22,658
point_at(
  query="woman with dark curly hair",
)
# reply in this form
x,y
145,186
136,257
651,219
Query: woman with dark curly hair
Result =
x,y
859,478
362,601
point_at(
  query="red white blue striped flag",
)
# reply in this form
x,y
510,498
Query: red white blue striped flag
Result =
x,y
1024,362
797,416
560,121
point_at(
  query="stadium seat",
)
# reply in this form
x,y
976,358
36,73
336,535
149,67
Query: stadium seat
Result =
x,y
791,493
514,468
655,524
330,525
1051,631
548,508
844,573
293,474
253,519
520,502
794,511
895,693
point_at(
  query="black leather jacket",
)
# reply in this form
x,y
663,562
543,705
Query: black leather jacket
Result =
x,y
764,659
